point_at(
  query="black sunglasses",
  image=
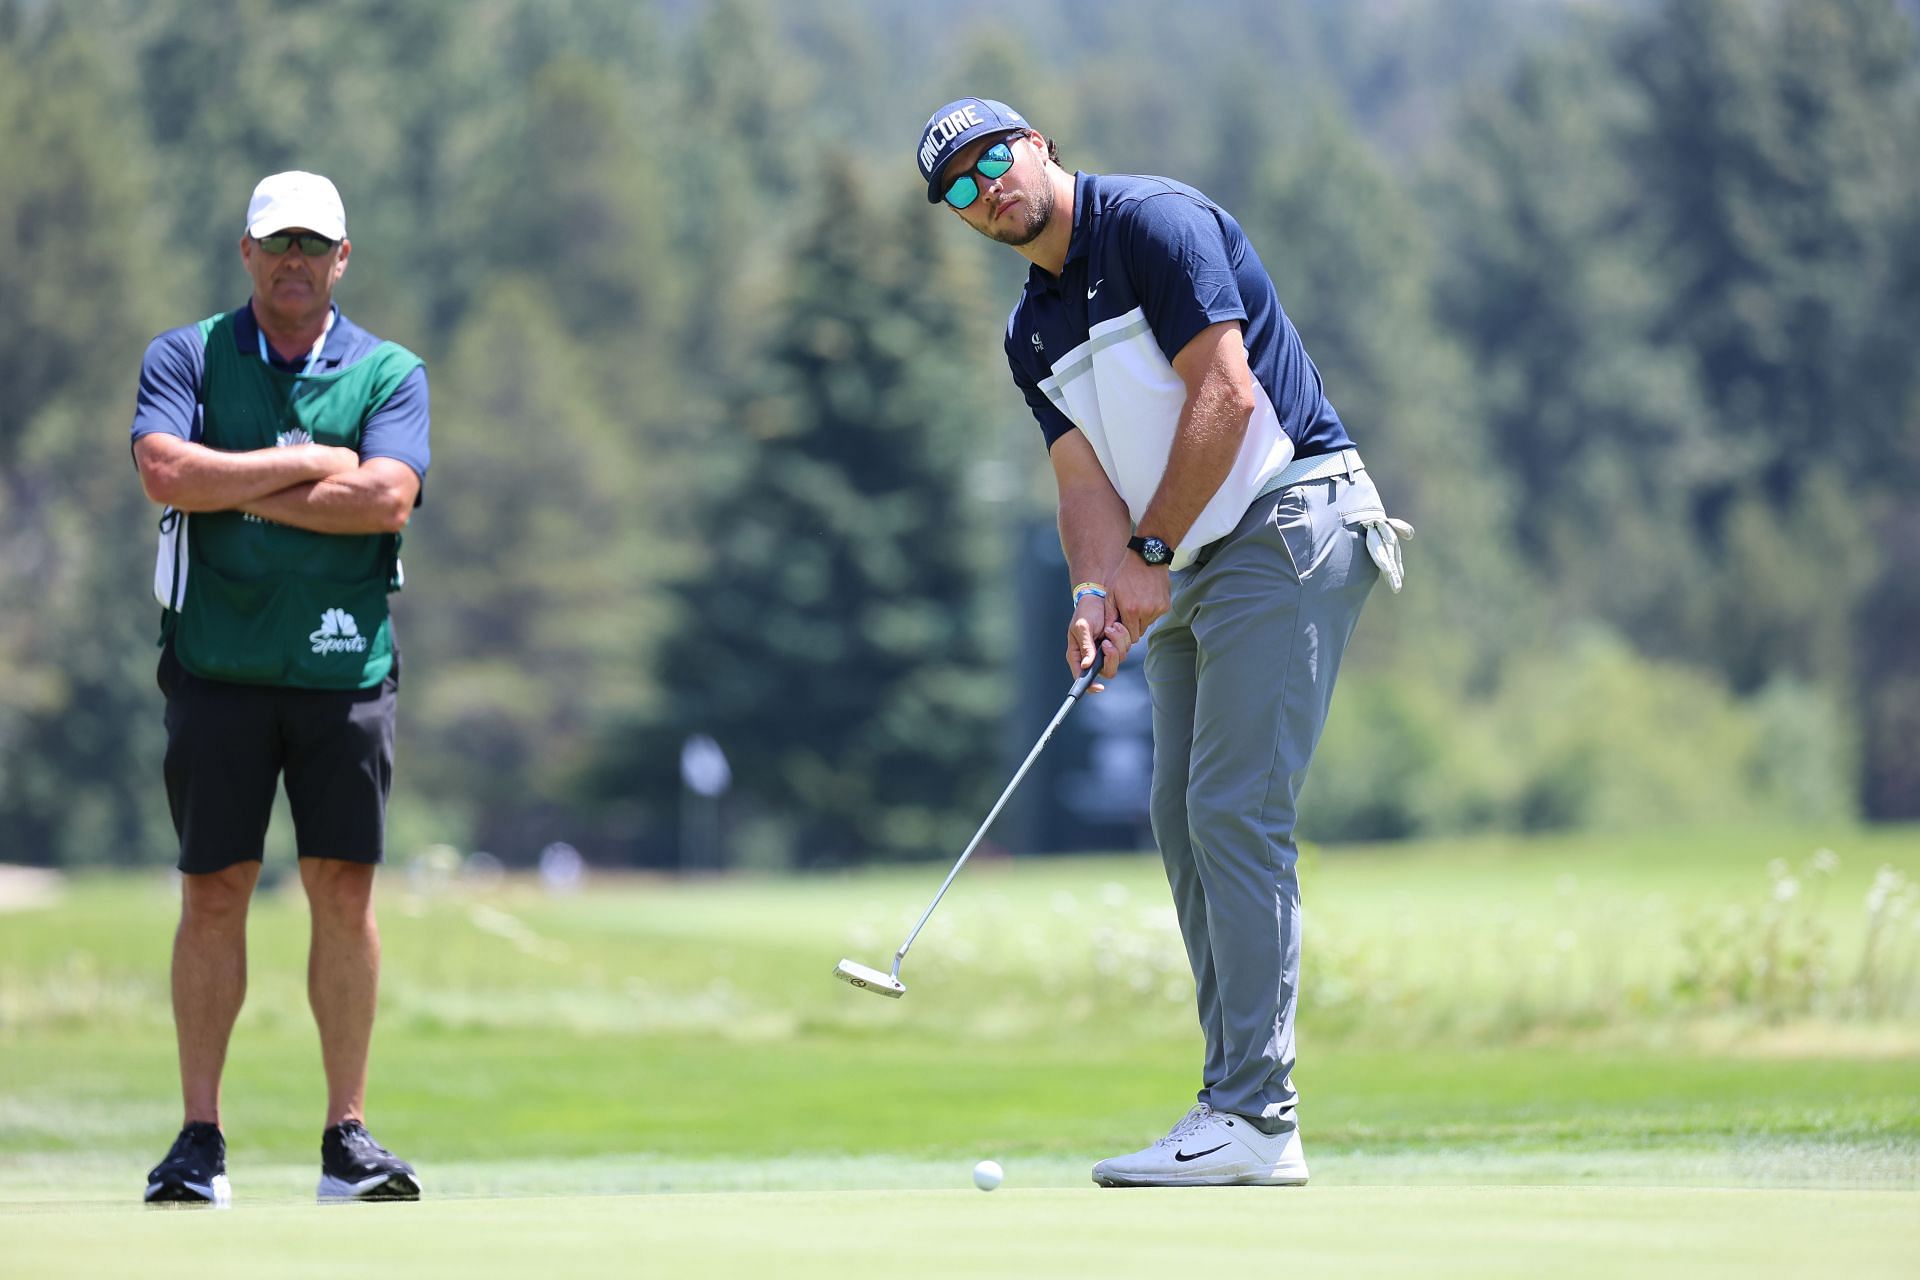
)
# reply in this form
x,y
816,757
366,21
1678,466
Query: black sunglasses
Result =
x,y
311,245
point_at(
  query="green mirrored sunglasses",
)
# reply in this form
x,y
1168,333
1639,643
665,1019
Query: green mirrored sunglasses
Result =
x,y
311,245
993,162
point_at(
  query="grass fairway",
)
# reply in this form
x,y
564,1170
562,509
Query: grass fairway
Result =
x,y
1568,1057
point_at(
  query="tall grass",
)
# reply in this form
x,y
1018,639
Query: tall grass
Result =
x,y
1455,943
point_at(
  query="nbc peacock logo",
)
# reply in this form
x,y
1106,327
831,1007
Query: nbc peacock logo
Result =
x,y
338,633
292,436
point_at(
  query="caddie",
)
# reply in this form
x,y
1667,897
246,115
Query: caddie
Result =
x,y
288,447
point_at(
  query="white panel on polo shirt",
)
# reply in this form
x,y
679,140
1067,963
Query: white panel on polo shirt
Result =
x,y
1122,392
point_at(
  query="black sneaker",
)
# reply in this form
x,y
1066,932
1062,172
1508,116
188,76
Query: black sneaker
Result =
x,y
355,1167
195,1170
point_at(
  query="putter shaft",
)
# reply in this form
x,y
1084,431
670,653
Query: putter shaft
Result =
x,y
1080,686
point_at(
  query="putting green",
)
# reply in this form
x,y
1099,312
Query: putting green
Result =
x,y
1346,1231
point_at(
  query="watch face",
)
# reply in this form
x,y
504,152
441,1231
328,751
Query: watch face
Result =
x,y
1152,550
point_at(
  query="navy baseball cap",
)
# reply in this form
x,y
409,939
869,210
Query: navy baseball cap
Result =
x,y
954,126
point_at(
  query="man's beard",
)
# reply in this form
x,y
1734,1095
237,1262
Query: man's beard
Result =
x,y
1039,209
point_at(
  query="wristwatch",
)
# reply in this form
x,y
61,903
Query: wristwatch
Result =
x,y
1152,550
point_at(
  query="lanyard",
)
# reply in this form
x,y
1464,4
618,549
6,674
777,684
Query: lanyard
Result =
x,y
313,356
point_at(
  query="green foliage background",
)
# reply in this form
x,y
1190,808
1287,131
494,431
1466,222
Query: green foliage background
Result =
x,y
1618,300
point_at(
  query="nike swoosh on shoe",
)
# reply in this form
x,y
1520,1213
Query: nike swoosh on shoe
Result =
x,y
1183,1157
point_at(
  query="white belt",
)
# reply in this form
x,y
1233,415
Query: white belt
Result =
x,y
1322,466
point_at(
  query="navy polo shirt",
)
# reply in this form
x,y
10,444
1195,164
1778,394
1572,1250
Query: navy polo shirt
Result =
x,y
176,361
1150,263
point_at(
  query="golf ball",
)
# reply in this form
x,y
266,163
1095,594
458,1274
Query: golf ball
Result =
x,y
987,1174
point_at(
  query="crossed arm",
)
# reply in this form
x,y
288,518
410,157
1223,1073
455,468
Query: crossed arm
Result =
x,y
318,487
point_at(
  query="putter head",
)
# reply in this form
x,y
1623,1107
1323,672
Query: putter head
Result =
x,y
869,979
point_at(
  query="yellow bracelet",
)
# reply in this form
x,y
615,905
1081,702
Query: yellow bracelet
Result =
x,y
1081,590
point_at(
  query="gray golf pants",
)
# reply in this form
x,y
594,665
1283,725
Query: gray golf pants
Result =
x,y
1241,671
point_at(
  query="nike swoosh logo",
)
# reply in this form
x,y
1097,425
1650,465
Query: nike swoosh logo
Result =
x,y
1183,1157
1096,288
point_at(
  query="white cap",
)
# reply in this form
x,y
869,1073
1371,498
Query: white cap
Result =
x,y
296,199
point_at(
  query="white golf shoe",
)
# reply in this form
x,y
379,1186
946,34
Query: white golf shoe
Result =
x,y
1210,1148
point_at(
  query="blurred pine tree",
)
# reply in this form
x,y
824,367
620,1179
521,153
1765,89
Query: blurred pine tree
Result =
x,y
834,641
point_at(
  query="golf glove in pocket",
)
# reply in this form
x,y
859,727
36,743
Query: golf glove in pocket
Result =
x,y
1384,534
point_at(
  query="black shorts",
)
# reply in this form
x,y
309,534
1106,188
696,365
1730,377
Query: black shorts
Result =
x,y
228,744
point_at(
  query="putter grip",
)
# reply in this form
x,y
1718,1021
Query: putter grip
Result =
x,y
1092,673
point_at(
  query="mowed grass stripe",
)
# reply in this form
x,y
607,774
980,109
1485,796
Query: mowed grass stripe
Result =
x,y
1349,1232
59,1183
445,1098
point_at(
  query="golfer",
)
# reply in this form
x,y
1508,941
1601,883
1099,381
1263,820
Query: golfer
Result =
x,y
1209,491
288,446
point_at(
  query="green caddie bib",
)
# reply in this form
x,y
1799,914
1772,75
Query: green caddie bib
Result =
x,y
264,603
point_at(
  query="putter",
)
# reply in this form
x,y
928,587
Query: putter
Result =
x,y
889,984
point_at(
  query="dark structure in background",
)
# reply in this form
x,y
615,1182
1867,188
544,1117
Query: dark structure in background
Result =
x,y
1087,793
1889,678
